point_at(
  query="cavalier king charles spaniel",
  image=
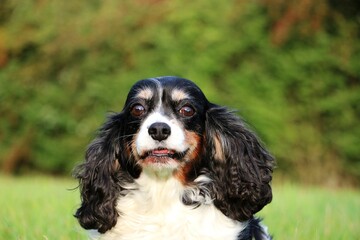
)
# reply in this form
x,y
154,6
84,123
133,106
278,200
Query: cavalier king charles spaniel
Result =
x,y
172,165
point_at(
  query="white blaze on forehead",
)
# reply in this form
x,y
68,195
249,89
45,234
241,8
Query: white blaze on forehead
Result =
x,y
176,140
145,93
178,95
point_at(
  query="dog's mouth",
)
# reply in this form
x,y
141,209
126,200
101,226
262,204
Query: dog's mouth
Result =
x,y
162,152
163,156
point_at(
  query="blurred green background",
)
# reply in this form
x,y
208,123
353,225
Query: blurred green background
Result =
x,y
291,68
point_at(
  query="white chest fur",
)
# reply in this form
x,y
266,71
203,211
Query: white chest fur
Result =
x,y
155,211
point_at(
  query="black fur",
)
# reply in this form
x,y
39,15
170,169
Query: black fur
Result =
x,y
100,177
243,176
253,231
240,172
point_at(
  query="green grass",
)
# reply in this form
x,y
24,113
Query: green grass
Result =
x,y
312,213
38,208
42,208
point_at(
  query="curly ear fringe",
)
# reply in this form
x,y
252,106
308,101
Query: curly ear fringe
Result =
x,y
241,166
255,231
100,177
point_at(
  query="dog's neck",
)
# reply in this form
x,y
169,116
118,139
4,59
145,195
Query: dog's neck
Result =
x,y
159,187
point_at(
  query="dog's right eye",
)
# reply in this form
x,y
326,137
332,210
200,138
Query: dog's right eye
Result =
x,y
137,110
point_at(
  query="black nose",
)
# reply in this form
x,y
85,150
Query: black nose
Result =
x,y
159,131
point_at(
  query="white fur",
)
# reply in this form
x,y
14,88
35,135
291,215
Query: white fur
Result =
x,y
176,140
155,212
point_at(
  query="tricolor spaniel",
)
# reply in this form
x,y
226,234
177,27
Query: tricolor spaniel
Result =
x,y
172,165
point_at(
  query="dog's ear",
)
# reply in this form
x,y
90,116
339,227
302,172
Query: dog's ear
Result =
x,y
100,177
240,164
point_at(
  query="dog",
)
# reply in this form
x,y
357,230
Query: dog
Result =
x,y
172,165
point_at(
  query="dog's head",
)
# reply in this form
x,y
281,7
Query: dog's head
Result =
x,y
165,121
169,129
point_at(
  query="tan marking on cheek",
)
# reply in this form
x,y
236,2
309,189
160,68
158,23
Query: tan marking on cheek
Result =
x,y
133,148
219,154
145,94
178,95
192,156
194,140
130,148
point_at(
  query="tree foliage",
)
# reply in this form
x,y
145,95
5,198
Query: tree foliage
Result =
x,y
291,68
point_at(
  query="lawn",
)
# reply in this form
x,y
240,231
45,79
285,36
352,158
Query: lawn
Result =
x,y
38,208
42,208
311,213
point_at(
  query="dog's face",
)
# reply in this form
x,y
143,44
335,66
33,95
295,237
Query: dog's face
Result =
x,y
165,123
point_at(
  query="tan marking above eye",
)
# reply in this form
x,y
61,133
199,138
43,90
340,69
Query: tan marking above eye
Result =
x,y
145,94
178,95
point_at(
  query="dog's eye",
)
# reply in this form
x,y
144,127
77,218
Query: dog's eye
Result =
x,y
137,110
187,111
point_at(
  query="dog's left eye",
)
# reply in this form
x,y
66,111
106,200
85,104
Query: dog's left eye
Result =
x,y
137,110
187,111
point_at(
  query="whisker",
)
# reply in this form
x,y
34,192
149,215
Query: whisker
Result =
x,y
124,136
135,121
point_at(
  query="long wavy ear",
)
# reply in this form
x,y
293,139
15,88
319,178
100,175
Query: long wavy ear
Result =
x,y
241,166
100,177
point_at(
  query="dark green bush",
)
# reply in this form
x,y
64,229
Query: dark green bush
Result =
x,y
65,64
